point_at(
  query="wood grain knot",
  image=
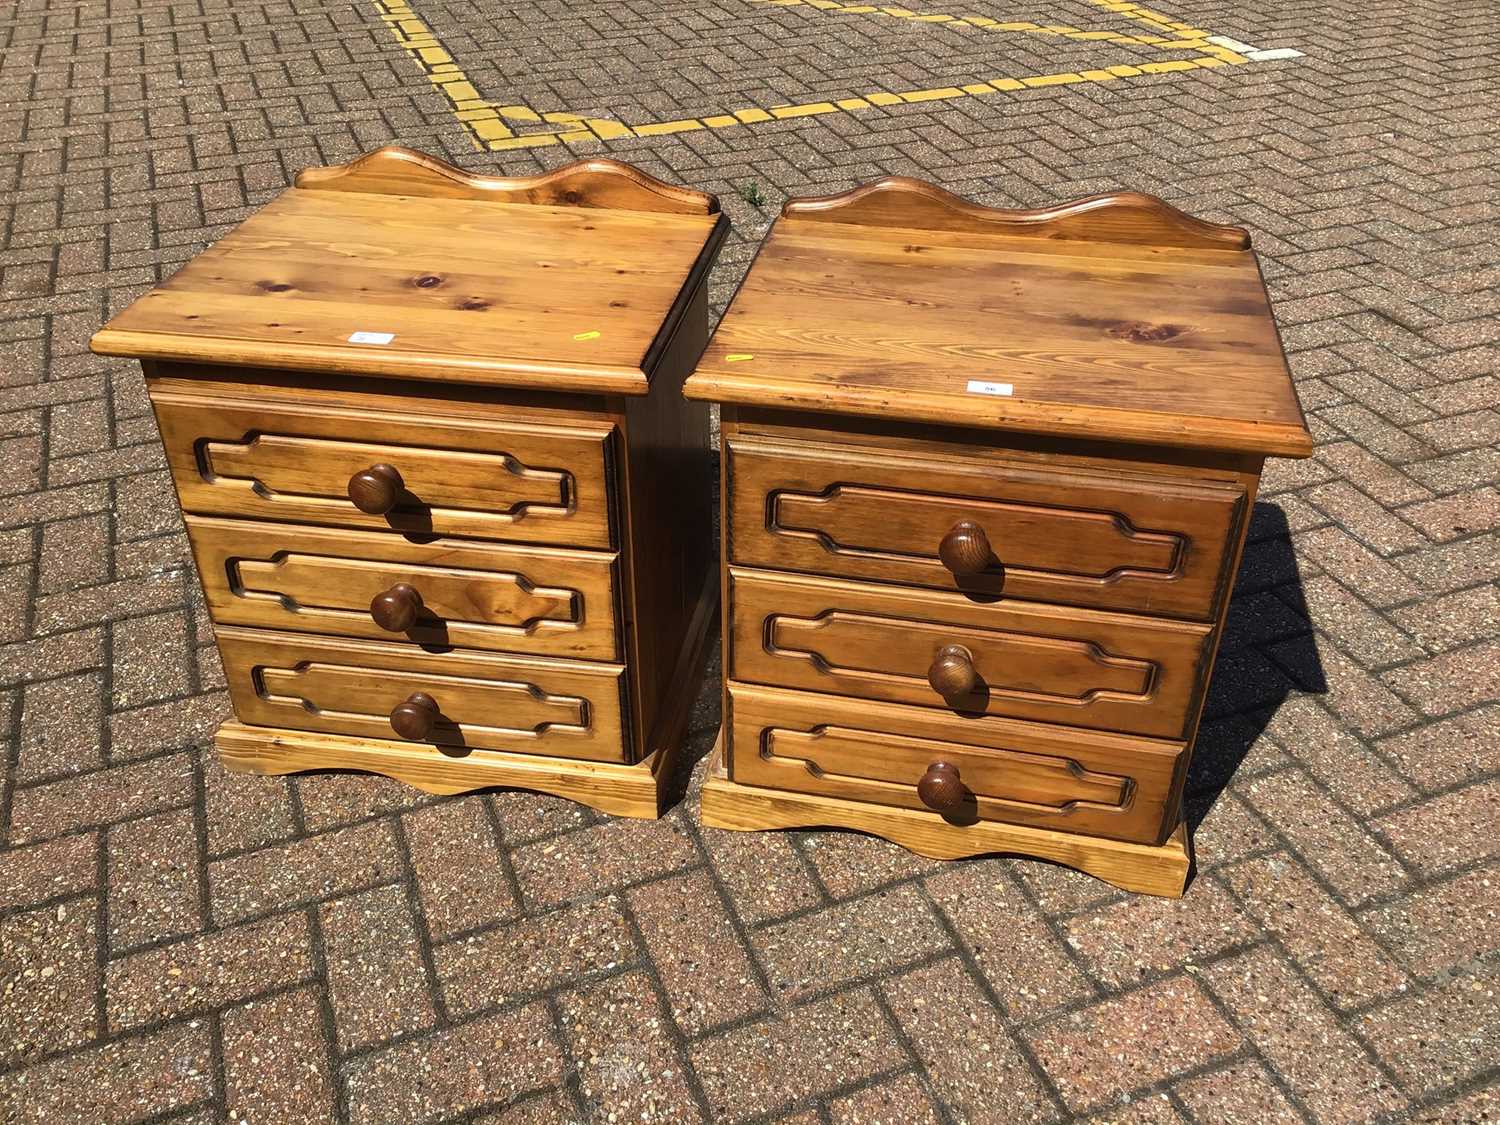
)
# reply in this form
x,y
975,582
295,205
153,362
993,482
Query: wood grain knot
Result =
x,y
1139,332
427,281
273,286
473,304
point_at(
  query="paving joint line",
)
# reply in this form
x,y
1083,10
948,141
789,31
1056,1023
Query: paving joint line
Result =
x,y
737,924
421,928
1250,1044
571,1081
969,962
666,1018
1355,913
504,853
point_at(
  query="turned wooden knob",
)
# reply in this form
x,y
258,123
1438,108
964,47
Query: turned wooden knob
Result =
x,y
966,548
941,789
375,490
396,610
952,673
415,716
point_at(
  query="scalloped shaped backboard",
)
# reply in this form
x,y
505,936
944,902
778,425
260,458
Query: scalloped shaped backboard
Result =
x,y
1117,318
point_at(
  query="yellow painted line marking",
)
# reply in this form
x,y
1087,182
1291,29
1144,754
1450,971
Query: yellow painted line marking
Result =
x,y
782,112
484,121
588,335
1184,34
738,357
1057,79
496,127
875,98
932,95
1179,36
607,130
662,127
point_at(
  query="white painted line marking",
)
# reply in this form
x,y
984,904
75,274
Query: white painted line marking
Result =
x,y
1254,54
1232,44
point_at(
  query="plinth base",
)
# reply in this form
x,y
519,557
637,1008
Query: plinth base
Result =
x,y
1160,870
609,787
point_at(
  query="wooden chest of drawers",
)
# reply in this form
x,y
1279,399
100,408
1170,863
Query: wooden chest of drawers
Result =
x,y
448,505
986,477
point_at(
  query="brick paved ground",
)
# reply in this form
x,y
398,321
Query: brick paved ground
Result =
x,y
179,944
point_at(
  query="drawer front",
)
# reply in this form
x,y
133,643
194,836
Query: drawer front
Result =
x,y
488,477
1026,660
438,594
1020,773
473,701
1059,534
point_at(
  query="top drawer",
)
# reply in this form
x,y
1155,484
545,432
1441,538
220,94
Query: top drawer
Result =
x,y
487,477
1143,544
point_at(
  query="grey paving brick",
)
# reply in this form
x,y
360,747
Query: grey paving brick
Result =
x,y
407,961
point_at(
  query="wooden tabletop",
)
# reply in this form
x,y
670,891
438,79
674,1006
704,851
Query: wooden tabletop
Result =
x,y
399,265
1115,318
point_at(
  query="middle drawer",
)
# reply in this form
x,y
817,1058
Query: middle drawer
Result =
x,y
441,593
1026,660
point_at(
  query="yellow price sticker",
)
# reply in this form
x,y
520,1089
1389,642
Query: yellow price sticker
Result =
x,y
738,357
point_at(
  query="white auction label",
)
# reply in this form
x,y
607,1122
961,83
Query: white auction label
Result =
x,y
372,337
980,387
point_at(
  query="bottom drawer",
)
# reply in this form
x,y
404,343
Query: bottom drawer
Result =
x,y
1064,778
457,701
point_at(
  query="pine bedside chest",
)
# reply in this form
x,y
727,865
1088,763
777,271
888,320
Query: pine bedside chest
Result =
x,y
986,477
438,476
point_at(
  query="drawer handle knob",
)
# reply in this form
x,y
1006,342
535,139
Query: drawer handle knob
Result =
x,y
375,490
966,548
952,673
941,789
415,716
396,610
